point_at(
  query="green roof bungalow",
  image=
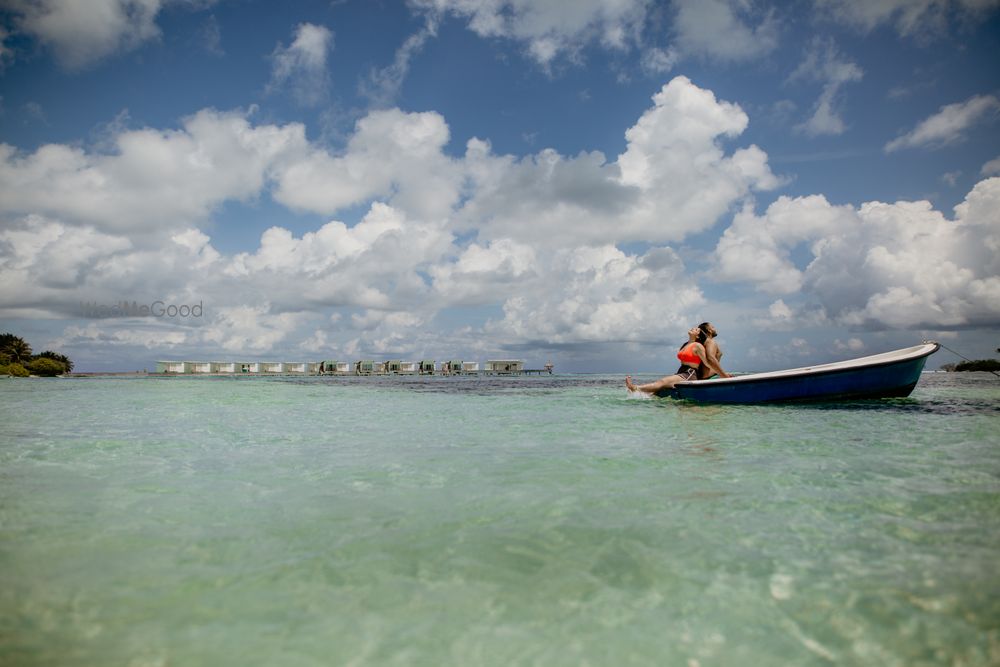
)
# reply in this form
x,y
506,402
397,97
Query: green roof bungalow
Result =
x,y
453,367
504,366
334,367
364,367
427,367
394,366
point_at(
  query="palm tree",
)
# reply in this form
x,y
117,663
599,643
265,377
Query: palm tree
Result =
x,y
15,349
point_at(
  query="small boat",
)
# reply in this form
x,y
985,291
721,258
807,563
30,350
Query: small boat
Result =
x,y
887,375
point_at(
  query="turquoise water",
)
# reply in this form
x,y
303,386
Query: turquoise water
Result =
x,y
548,521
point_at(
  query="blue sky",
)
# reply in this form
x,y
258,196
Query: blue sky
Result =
x,y
575,182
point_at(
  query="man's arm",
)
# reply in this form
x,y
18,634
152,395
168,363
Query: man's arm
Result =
x,y
710,362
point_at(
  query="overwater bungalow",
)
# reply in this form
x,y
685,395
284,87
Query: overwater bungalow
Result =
x,y
453,367
171,367
301,367
335,367
504,366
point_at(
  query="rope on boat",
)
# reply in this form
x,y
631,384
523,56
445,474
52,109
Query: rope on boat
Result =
x,y
964,357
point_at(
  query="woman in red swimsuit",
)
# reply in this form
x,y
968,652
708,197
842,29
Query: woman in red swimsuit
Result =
x,y
692,356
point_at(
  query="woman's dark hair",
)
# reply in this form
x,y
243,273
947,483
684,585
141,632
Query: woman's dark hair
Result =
x,y
705,326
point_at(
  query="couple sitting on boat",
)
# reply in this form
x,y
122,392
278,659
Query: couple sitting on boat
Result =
x,y
699,358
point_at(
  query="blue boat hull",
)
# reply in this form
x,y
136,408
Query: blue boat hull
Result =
x,y
892,378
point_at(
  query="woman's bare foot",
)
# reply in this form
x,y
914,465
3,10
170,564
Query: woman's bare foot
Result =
x,y
629,384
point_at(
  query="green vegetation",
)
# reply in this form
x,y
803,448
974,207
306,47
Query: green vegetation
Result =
x,y
45,367
15,369
13,348
16,359
988,365
55,356
979,365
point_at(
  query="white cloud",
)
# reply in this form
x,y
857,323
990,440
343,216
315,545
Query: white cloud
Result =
x,y
149,337
901,265
81,33
722,29
758,250
659,61
46,267
301,67
824,64
250,329
599,294
210,36
318,342
124,224
991,168
396,333
373,264
540,246
153,180
850,345
549,28
674,162
392,154
485,273
148,181
383,86
51,268
949,125
910,18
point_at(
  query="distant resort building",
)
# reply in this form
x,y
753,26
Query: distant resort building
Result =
x,y
364,367
505,366
335,368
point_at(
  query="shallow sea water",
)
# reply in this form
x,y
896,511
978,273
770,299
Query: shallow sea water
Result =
x,y
521,521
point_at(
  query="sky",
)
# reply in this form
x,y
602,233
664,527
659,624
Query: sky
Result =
x,y
575,182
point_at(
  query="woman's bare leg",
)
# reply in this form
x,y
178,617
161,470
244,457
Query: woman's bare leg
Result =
x,y
667,382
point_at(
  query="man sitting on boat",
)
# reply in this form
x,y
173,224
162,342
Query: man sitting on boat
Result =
x,y
711,348
692,356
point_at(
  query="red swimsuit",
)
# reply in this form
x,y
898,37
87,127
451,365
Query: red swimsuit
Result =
x,y
689,362
688,356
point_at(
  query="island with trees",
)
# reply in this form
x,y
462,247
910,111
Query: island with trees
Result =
x,y
17,359
987,365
